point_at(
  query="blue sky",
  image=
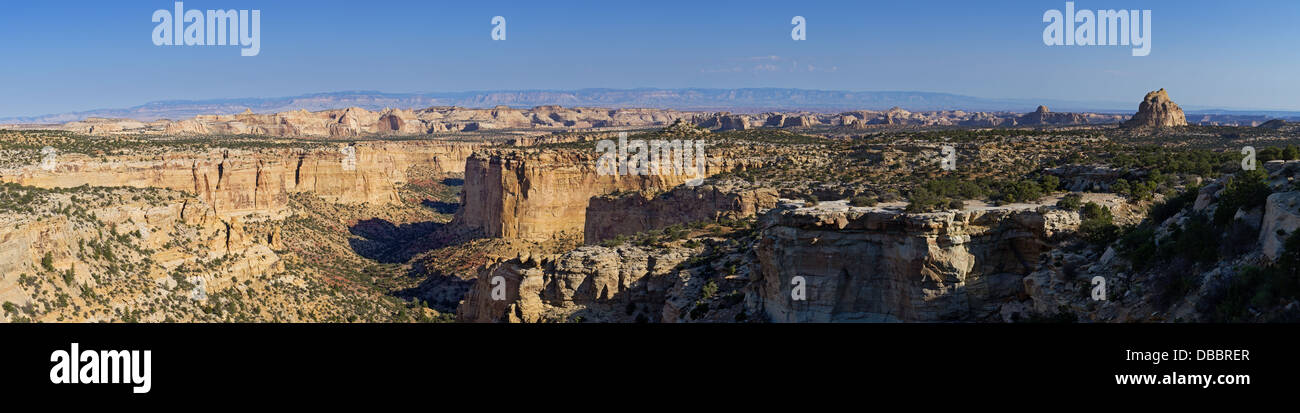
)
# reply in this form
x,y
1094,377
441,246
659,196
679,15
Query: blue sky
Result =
x,y
80,55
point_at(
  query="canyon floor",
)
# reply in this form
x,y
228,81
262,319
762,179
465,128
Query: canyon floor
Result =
x,y
797,221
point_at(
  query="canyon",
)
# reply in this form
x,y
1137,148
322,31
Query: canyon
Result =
x,y
353,215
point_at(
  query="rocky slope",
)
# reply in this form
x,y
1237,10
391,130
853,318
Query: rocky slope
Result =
x,y
95,249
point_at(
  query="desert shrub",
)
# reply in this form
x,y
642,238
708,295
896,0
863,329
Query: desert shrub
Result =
x,y
922,200
1050,183
1098,226
709,290
1070,202
1120,186
47,262
1174,281
862,201
1239,239
1173,205
1244,191
1139,247
1260,288
1022,191
1197,240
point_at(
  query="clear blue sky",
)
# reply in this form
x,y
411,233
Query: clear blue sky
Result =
x,y
79,55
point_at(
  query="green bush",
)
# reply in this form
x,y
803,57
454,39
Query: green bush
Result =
x,y
1197,240
1246,190
1120,186
1023,191
709,290
862,201
1070,202
1139,247
1173,205
1098,225
1050,183
1093,210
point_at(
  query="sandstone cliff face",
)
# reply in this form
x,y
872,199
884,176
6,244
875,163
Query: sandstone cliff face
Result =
x,y
723,121
354,121
1044,116
882,266
1281,219
540,195
855,264
236,182
232,183
783,121
531,195
609,217
599,284
1157,111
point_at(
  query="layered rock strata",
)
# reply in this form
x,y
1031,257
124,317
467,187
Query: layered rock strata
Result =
x,y
610,216
884,266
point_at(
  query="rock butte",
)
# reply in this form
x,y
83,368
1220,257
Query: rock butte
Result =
x,y
1157,111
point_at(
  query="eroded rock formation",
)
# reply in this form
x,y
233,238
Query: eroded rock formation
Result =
x,y
1157,111
599,284
540,195
611,216
236,182
883,266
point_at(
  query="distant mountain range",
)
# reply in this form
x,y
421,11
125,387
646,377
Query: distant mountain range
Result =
x,y
734,100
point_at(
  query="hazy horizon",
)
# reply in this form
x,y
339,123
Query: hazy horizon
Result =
x,y
101,56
